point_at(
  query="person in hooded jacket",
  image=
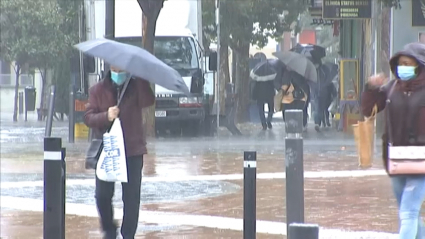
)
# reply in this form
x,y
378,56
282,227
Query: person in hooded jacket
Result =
x,y
404,101
101,111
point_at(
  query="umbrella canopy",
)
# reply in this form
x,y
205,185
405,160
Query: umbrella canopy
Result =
x,y
314,51
136,61
298,63
263,71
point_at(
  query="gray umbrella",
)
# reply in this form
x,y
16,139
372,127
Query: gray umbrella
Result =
x,y
136,61
298,63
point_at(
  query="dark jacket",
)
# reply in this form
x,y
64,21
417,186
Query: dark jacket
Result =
x,y
327,95
263,91
404,101
137,96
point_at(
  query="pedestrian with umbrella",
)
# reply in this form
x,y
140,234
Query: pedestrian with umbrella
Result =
x,y
122,94
263,76
294,83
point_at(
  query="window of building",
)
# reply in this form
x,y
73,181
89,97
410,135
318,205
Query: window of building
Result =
x,y
4,67
5,76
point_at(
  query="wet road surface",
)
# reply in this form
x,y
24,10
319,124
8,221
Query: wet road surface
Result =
x,y
194,178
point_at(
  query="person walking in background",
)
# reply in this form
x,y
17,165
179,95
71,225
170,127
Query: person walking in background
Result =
x,y
404,101
263,92
101,111
326,96
324,92
296,93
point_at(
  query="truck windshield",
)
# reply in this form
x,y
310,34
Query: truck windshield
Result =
x,y
177,52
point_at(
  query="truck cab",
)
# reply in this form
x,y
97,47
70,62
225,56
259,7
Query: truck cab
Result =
x,y
178,43
175,111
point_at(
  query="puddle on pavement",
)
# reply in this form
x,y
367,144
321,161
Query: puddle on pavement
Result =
x,y
152,192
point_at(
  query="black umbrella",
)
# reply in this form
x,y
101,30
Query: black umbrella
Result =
x,y
315,52
263,71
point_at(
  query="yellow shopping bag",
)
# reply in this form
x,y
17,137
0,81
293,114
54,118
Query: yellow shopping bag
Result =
x,y
364,135
278,101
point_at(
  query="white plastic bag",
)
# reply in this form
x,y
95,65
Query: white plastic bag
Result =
x,y
112,166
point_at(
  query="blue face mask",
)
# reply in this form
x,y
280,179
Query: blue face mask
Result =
x,y
406,73
119,77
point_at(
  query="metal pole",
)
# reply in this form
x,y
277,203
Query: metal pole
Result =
x,y
109,25
50,112
249,195
294,167
71,117
63,192
21,102
80,37
303,231
217,19
53,189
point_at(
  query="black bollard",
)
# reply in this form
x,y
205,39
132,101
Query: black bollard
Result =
x,y
53,225
71,117
249,195
294,167
21,102
303,231
50,113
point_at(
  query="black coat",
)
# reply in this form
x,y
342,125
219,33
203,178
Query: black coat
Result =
x,y
263,91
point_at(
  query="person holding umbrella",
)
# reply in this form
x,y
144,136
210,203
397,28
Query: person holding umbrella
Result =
x,y
295,82
123,93
263,90
296,93
101,111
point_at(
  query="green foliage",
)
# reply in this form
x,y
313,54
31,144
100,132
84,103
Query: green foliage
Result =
x,y
252,21
31,32
62,67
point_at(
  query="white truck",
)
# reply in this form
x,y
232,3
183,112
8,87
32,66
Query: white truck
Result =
x,y
178,42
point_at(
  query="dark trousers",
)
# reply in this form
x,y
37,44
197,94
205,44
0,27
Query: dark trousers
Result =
x,y
296,105
321,116
130,197
260,104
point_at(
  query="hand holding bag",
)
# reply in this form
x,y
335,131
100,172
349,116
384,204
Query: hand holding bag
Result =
x,y
96,145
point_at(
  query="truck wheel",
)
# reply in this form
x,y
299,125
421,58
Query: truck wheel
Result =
x,y
175,132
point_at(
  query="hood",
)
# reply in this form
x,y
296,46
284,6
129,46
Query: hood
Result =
x,y
415,50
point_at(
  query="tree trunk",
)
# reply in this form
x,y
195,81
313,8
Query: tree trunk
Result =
x,y
233,66
148,33
15,106
242,82
43,98
224,74
151,11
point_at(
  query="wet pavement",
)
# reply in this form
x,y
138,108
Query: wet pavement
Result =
x,y
193,188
